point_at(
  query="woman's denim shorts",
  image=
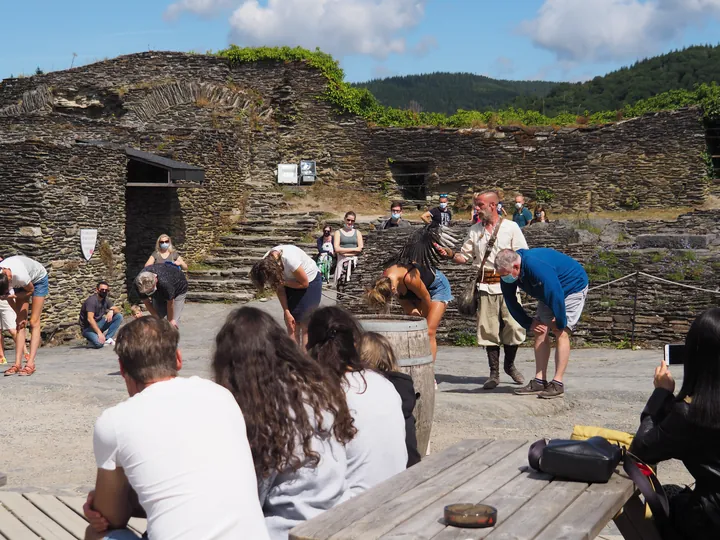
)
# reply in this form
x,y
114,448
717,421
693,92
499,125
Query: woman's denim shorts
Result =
x,y
41,288
440,288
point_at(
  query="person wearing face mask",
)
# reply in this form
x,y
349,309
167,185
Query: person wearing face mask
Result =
x,y
495,326
165,253
347,244
99,319
395,219
163,290
560,285
522,215
441,215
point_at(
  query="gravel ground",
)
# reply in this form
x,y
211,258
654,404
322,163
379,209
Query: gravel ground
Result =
x,y
46,429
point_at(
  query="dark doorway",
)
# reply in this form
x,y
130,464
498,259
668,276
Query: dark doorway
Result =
x,y
411,179
149,212
712,137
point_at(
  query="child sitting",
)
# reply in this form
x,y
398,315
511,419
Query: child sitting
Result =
x,y
377,353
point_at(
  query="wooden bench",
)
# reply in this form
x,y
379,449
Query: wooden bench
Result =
x,y
30,516
530,505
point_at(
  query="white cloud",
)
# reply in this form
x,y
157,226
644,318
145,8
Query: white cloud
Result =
x,y
340,27
603,30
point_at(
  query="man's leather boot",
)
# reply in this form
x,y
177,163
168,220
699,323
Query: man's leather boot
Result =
x,y
493,354
509,364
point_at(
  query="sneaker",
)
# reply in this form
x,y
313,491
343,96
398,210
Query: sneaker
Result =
x,y
533,387
109,342
3,360
553,390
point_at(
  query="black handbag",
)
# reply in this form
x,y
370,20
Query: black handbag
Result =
x,y
467,304
592,460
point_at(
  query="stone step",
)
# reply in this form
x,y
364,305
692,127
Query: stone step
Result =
x,y
221,285
271,230
231,261
257,241
219,297
223,273
280,222
257,251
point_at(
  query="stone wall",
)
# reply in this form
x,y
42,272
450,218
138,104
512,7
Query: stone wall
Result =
x,y
62,136
663,311
51,193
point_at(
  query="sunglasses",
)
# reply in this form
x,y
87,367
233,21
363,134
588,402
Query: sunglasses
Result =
x,y
326,233
104,290
350,220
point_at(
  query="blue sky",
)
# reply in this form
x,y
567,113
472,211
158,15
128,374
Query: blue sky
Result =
x,y
514,39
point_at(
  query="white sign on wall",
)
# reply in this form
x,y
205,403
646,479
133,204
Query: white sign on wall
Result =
x,y
88,239
287,173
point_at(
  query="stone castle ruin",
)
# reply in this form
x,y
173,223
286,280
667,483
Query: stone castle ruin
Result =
x,y
188,145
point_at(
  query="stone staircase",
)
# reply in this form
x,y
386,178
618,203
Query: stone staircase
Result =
x,y
223,274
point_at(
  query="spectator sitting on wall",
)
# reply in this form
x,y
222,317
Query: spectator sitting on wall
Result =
x,y
441,214
325,242
99,319
395,219
163,289
522,215
325,257
165,253
175,452
540,215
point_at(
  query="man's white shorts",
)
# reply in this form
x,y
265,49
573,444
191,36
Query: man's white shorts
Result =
x,y
8,318
574,304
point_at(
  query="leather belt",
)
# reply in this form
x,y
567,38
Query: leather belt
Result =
x,y
490,277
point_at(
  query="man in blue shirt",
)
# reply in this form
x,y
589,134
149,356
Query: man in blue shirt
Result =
x,y
522,215
560,285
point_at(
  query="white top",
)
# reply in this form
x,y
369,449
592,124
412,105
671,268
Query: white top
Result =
x,y
378,450
24,270
509,236
293,258
289,498
183,446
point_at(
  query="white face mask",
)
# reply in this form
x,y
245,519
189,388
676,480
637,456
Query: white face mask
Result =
x,y
518,205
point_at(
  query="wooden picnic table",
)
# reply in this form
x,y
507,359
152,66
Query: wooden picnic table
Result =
x,y
530,505
31,516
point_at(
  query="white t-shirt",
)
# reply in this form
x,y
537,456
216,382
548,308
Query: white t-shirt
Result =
x,y
183,446
24,270
378,450
509,236
293,258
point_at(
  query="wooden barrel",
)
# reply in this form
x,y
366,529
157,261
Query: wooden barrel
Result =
x,y
409,338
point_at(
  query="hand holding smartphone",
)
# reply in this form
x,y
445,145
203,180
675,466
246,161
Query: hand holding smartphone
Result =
x,y
674,354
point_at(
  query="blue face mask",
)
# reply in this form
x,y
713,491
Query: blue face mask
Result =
x,y
164,245
509,278
443,205
396,216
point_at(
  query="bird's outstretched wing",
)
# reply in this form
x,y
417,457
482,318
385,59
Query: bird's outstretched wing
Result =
x,y
420,247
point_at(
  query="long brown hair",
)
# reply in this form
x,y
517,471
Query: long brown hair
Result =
x,y
333,335
277,388
267,272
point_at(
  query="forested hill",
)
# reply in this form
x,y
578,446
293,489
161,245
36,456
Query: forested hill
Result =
x,y
447,92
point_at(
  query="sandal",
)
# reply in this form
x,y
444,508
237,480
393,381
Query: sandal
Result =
x,y
27,371
12,371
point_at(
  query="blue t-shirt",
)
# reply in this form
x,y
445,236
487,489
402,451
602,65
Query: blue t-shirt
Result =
x,y
549,276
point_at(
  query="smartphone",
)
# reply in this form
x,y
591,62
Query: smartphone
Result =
x,y
674,354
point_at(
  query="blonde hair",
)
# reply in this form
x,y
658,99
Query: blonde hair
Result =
x,y
379,295
157,244
377,352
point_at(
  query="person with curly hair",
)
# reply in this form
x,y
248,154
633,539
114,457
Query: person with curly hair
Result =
x,y
294,276
297,417
378,450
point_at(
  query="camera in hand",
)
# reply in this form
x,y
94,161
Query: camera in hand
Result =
x,y
674,354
